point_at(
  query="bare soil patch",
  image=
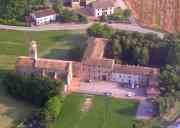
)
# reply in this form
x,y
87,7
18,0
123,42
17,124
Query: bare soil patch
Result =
x,y
86,105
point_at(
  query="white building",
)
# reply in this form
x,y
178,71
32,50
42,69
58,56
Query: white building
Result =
x,y
44,16
131,80
102,8
132,76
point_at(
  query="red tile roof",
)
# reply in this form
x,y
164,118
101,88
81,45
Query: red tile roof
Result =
x,y
139,70
24,61
42,63
51,64
103,4
44,12
95,48
100,62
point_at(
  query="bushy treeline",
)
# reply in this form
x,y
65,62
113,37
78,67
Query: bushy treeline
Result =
x,y
145,49
36,90
169,86
67,15
14,11
42,92
45,116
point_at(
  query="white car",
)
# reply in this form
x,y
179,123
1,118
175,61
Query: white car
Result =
x,y
130,94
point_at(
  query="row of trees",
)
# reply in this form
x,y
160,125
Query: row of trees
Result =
x,y
145,49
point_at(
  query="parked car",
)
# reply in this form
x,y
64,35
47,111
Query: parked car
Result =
x,y
130,94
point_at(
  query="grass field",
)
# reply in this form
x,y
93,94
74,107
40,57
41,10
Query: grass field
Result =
x,y
52,44
104,113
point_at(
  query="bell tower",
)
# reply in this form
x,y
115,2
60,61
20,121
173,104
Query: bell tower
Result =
x,y
33,50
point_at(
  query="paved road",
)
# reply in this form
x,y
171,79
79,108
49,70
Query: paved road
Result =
x,y
128,27
48,27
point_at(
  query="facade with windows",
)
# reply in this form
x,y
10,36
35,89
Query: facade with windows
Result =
x,y
103,11
102,8
92,67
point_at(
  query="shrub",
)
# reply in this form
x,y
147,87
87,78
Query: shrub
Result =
x,y
8,21
70,16
53,108
100,30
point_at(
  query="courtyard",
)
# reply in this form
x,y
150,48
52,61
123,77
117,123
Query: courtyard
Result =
x,y
115,89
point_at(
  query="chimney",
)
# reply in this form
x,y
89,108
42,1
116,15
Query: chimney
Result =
x,y
33,50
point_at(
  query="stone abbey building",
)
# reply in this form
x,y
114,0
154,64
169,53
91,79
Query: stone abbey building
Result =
x,y
93,67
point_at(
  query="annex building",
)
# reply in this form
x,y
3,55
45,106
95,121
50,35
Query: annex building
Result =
x,y
93,67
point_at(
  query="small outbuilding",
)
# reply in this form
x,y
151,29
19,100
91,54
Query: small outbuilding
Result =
x,y
102,8
43,16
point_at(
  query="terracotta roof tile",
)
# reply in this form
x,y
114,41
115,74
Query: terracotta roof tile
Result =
x,y
139,70
24,61
44,12
100,62
51,64
103,4
95,48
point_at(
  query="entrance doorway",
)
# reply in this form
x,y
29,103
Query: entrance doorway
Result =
x,y
104,77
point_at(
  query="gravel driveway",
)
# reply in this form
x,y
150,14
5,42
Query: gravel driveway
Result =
x,y
145,110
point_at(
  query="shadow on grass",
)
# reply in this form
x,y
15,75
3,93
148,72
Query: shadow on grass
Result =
x,y
127,110
11,109
77,38
63,54
76,42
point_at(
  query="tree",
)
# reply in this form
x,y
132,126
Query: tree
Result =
x,y
53,108
36,90
144,56
173,57
169,81
100,30
16,9
66,15
127,13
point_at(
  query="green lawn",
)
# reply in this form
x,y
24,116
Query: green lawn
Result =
x,y
52,44
104,113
